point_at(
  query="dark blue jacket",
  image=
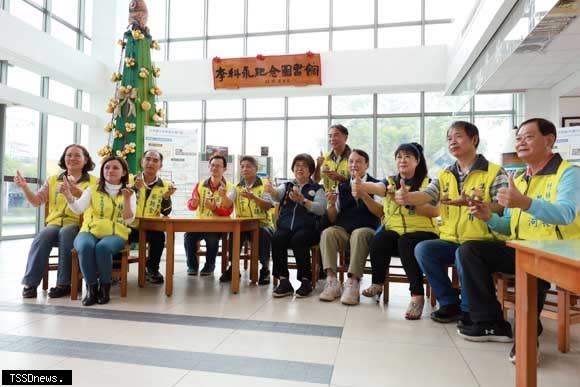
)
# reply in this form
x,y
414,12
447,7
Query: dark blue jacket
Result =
x,y
294,216
354,213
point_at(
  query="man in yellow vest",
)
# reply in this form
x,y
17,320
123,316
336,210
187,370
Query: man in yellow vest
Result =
x,y
542,203
332,167
250,201
210,198
471,174
153,199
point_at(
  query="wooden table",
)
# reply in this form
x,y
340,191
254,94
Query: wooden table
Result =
x,y
171,225
555,261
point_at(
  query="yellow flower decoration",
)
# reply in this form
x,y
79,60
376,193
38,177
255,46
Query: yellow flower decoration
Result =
x,y
115,77
156,72
130,62
130,127
155,45
145,105
121,43
111,105
160,113
156,91
109,127
118,134
129,148
156,118
138,35
105,151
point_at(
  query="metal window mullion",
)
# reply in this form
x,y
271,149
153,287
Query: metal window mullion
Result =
x,y
81,25
287,29
2,142
330,21
46,21
77,125
243,126
329,120
167,28
285,158
375,154
42,149
205,27
422,120
245,37
5,5
376,31
422,22
3,72
203,122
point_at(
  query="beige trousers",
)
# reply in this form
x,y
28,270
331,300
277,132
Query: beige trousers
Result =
x,y
335,239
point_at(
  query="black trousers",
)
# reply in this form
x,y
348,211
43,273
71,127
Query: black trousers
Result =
x,y
299,241
156,240
386,244
479,260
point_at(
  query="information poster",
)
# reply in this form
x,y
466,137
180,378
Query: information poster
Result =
x,y
568,144
180,149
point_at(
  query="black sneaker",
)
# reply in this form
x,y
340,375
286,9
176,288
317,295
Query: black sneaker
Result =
x,y
447,313
192,271
227,275
305,289
59,291
29,292
154,276
283,289
513,353
497,331
264,277
206,271
465,320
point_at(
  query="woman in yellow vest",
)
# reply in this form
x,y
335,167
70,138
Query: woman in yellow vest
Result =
x,y
403,226
472,176
250,201
332,167
62,225
109,209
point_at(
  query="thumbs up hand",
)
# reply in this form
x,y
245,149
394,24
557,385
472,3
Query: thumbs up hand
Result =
x,y
402,194
19,181
511,197
462,200
66,190
320,159
222,190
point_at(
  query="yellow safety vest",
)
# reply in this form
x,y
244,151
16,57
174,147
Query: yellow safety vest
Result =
x,y
545,187
59,212
150,206
205,193
457,224
105,216
330,164
246,208
400,219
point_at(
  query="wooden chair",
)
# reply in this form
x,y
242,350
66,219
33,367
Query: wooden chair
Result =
x,y
314,261
396,274
223,249
561,305
119,273
52,263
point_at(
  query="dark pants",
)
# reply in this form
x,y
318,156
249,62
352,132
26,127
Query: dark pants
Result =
x,y
387,243
156,240
480,259
265,243
299,241
212,241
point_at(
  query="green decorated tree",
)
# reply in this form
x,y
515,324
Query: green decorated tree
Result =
x,y
133,104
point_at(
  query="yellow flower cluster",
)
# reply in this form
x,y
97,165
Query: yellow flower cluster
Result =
x,y
143,72
129,62
145,105
155,45
121,43
118,134
115,77
130,127
125,89
112,105
160,112
156,91
156,72
110,126
138,35
105,151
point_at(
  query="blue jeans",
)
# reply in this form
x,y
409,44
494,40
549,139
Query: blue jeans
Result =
x,y
212,241
433,257
96,255
49,237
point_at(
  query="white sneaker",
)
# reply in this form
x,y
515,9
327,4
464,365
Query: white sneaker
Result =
x,y
351,294
332,290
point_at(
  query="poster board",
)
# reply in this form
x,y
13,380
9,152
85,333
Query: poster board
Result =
x,y
568,144
180,149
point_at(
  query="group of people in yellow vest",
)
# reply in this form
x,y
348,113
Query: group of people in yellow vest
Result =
x,y
462,217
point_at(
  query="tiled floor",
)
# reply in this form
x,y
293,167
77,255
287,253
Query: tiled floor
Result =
x,y
205,336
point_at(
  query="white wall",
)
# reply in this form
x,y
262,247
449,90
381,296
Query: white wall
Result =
x,y
569,107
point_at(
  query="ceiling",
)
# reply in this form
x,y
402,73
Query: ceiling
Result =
x,y
541,61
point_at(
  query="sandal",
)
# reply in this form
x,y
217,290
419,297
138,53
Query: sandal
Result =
x,y
373,290
415,308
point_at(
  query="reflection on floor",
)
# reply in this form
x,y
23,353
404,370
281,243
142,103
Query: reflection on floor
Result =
x,y
205,336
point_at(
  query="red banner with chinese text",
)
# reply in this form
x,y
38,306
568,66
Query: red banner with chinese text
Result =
x,y
275,70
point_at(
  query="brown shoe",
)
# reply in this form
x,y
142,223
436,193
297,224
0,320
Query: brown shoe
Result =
x,y
29,292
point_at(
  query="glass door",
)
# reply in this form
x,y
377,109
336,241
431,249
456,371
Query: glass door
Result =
x,y
21,150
